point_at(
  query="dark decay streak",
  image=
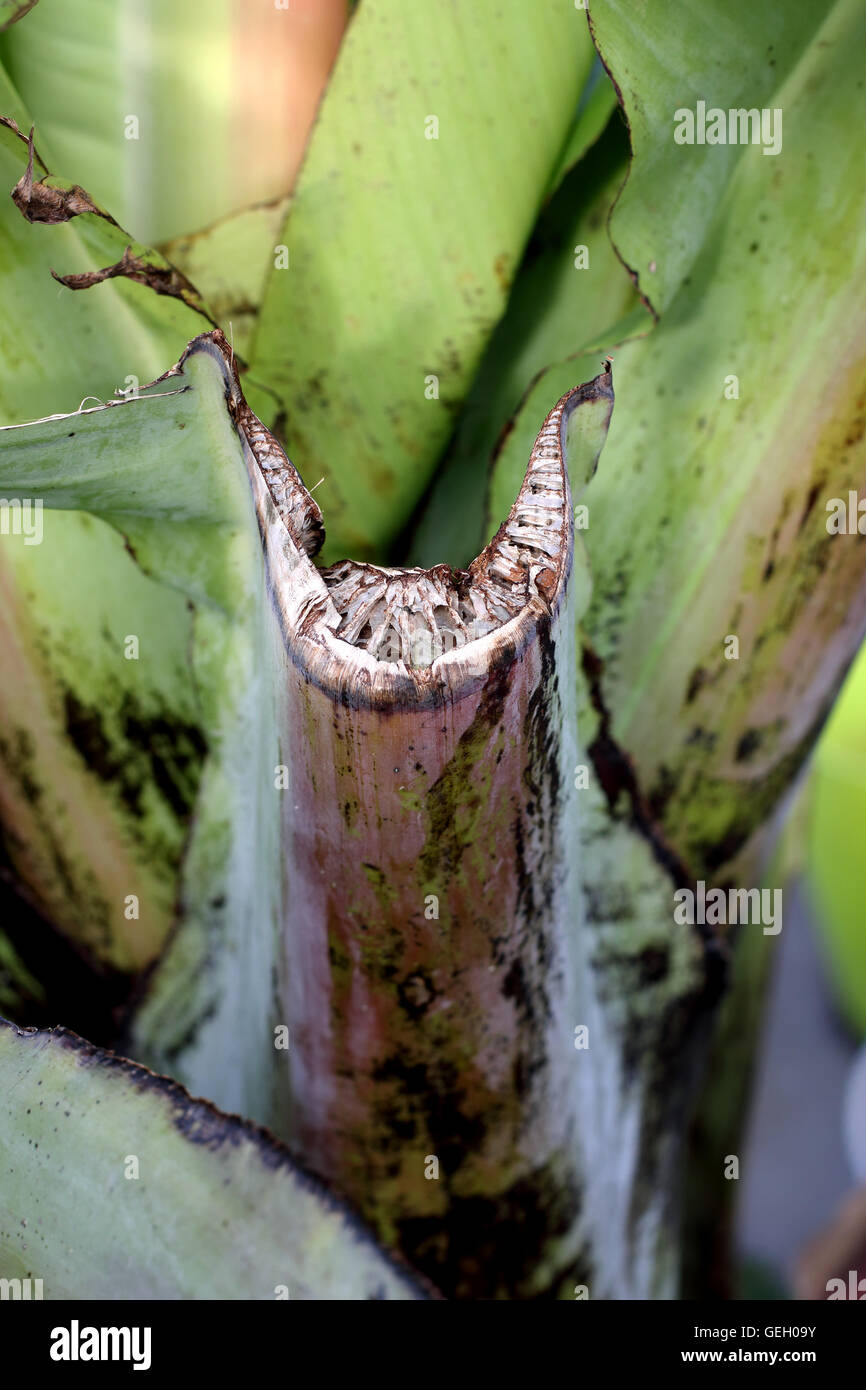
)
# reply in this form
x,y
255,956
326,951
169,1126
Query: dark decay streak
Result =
x,y
173,751
491,1244
88,994
444,843
616,773
685,1020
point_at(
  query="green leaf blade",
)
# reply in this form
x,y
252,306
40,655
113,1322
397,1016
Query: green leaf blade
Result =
x,y
401,248
116,1182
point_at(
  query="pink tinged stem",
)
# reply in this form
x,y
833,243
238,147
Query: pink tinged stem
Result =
x,y
431,878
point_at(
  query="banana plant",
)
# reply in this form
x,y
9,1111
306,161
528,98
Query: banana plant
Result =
x,y
383,852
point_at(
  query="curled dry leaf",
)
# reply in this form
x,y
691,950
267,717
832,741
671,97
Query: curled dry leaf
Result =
x,y
39,200
13,10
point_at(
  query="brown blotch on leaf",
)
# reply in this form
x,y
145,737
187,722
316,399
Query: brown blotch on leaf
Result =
x,y
18,13
39,201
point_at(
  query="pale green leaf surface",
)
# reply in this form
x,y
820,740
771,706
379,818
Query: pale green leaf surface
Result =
x,y
727,53
167,470
554,310
216,1209
229,263
184,73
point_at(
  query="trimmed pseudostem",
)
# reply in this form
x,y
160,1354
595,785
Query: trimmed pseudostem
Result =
x,y
428,723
